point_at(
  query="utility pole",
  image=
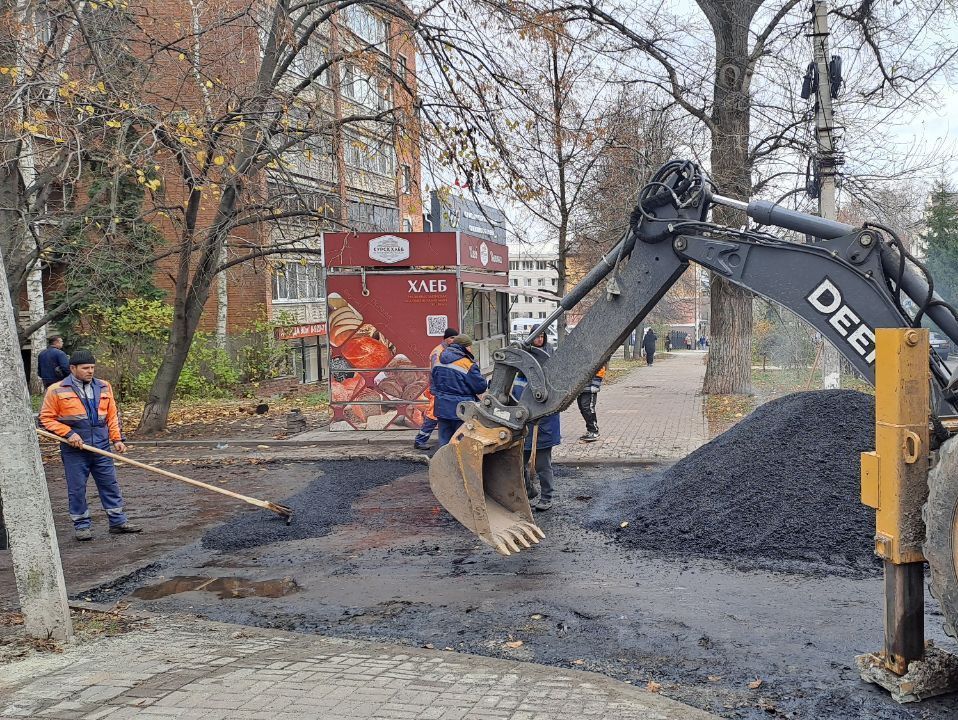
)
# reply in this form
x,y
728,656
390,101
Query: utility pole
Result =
x,y
827,159
26,502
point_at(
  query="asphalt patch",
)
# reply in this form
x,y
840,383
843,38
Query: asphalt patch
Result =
x,y
322,505
779,490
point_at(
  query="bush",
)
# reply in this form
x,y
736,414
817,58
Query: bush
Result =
x,y
261,357
129,340
208,373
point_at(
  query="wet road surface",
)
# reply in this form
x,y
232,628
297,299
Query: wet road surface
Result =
x,y
378,559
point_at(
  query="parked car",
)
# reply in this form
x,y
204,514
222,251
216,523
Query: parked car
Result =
x,y
940,345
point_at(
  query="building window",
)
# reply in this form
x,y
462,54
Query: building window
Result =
x,y
406,179
541,265
514,282
401,67
527,282
307,60
407,224
555,282
541,283
366,25
542,316
378,157
295,281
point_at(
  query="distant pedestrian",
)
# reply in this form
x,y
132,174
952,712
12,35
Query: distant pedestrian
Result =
x,y
648,344
702,343
82,409
547,433
587,401
668,343
688,341
53,365
429,416
455,379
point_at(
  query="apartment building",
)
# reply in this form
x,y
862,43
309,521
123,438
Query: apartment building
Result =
x,y
365,175
194,70
533,281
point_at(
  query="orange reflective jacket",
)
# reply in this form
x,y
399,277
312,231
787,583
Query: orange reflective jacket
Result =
x,y
66,411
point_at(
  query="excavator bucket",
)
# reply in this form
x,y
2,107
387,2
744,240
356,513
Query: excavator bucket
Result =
x,y
478,478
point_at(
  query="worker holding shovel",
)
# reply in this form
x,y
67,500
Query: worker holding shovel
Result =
x,y
82,409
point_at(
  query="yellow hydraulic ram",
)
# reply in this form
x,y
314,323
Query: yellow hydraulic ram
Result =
x,y
894,481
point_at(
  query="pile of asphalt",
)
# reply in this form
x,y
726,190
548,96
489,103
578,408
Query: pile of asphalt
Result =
x,y
322,505
781,489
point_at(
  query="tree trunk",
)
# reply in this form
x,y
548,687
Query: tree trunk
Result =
x,y
37,310
222,303
26,501
729,369
558,100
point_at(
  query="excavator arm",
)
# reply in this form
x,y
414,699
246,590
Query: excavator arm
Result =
x,y
846,283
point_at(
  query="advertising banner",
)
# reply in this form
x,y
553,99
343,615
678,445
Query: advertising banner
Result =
x,y
381,330
483,254
390,250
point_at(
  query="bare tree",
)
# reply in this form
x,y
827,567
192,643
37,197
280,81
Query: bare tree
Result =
x,y
227,121
741,88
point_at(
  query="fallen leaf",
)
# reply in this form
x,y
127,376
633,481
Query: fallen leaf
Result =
x,y
714,678
653,686
429,646
513,644
624,524
578,662
537,616
755,684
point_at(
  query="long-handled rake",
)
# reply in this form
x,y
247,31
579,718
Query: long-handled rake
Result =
x,y
282,510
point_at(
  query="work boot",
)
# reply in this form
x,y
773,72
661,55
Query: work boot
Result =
x,y
543,505
83,534
124,529
590,437
420,446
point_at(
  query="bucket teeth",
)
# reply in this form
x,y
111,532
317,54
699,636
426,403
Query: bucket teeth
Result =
x,y
505,539
525,534
533,531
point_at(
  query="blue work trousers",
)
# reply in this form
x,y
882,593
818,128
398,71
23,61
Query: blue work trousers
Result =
x,y
425,430
79,465
447,428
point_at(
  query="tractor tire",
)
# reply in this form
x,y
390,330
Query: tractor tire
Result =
x,y
941,532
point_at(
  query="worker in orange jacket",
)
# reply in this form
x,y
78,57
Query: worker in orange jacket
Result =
x,y
429,422
82,409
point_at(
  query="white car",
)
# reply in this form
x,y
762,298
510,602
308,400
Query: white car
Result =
x,y
523,326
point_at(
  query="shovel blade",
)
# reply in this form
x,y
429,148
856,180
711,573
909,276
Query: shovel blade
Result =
x,y
478,478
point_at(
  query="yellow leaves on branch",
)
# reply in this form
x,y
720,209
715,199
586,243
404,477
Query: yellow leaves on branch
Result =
x,y
153,183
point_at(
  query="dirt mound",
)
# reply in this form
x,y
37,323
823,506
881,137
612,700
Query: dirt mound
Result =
x,y
317,509
779,488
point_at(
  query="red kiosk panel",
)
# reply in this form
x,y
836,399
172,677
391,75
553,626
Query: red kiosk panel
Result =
x,y
382,328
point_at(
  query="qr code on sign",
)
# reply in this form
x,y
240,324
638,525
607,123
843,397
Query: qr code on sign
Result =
x,y
436,325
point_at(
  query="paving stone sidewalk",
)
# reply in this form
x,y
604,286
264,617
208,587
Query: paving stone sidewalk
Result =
x,y
177,667
654,413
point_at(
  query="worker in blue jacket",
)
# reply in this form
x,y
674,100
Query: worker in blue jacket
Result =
x,y
455,379
547,437
53,365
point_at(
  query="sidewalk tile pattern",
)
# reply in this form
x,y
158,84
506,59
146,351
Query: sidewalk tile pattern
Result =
x,y
196,670
654,413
